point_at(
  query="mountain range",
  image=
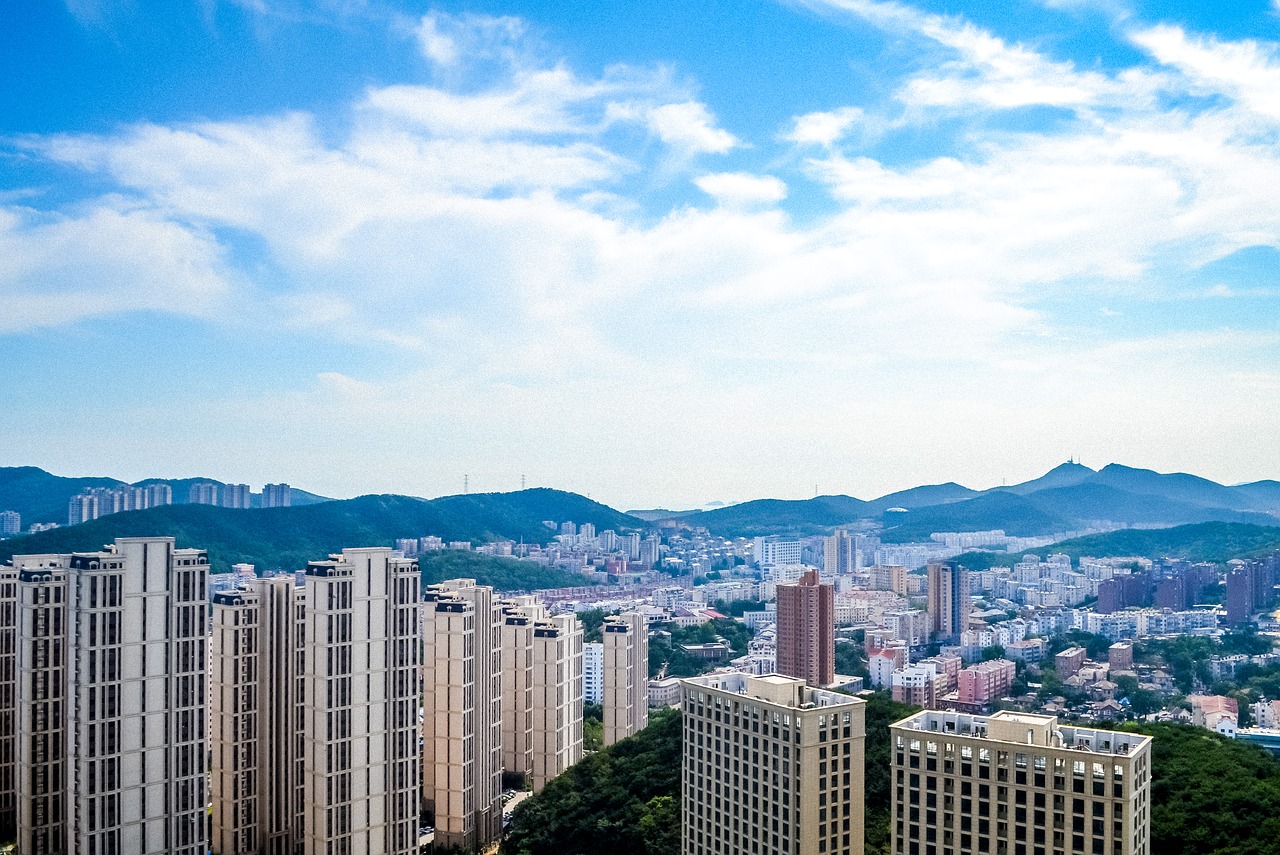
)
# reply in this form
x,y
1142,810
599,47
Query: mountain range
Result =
x,y
1067,498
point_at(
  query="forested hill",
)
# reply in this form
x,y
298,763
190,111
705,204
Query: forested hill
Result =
x,y
289,537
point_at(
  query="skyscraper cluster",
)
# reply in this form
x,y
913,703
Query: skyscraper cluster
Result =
x,y
94,502
308,705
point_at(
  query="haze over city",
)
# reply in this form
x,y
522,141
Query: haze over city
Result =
x,y
659,254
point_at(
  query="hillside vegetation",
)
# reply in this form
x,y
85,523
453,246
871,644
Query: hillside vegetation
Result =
x,y
624,800
286,538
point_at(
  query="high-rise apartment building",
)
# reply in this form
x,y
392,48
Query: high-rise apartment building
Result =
x,y
770,550
557,697
626,675
277,496
593,672
949,602
81,508
235,495
806,630
541,691
10,523
770,766
1017,783
202,493
462,713
360,704
518,618
838,553
110,706
8,701
256,723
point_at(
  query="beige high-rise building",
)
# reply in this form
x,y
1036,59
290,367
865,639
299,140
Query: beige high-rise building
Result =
x,y
110,652
557,697
949,602
8,701
1017,783
361,775
462,713
518,618
771,766
256,724
626,675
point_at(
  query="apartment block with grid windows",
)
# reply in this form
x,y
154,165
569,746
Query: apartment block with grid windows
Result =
x,y
110,700
256,723
361,777
626,675
462,713
770,766
1017,784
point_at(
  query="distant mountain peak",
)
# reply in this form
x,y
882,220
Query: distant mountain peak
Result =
x,y
1070,466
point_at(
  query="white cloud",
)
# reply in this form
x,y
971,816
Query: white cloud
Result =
x,y
983,70
689,127
823,128
450,40
742,189
1247,71
105,260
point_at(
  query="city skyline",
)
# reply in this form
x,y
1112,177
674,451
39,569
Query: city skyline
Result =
x,y
661,257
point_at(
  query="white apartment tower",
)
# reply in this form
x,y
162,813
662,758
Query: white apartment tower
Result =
x,y
626,675
277,495
593,672
111,700
359,679
770,766
256,733
235,496
462,713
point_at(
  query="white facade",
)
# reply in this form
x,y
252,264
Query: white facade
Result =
x,y
593,672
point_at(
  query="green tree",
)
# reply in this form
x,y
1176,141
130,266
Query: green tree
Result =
x,y
592,620
592,727
600,804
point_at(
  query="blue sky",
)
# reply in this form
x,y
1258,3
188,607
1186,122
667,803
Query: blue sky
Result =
x,y
659,253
